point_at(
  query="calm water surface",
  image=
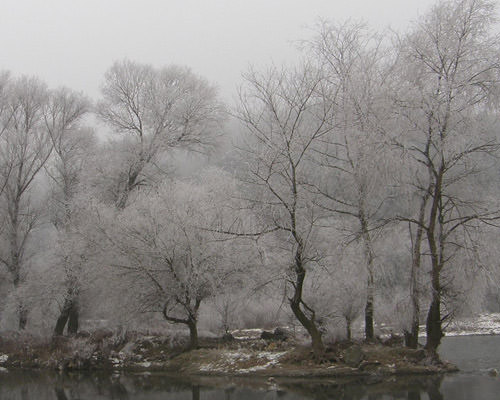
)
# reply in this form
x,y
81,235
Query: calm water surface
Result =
x,y
475,355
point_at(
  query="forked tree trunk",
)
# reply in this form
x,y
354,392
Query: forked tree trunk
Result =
x,y
69,315
191,320
348,329
61,323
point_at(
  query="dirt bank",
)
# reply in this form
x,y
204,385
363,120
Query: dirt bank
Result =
x,y
215,357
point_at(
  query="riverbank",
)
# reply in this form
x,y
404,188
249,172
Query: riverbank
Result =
x,y
275,356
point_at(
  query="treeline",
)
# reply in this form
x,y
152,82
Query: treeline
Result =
x,y
361,181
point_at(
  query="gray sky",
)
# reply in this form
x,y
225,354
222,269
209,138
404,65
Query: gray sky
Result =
x,y
73,42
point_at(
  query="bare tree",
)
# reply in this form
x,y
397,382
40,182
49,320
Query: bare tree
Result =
x,y
354,183
72,144
25,149
163,246
449,66
286,118
157,110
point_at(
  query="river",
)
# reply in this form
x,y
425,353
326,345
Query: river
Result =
x,y
474,355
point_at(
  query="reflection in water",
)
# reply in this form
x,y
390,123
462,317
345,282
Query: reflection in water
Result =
x,y
473,354
99,386
411,388
49,386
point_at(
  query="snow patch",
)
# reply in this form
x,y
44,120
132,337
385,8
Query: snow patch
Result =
x,y
145,364
483,324
238,361
3,358
271,358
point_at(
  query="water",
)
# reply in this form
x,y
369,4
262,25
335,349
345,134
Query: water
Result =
x,y
475,355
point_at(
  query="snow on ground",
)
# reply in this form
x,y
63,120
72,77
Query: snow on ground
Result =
x,y
246,334
482,324
243,361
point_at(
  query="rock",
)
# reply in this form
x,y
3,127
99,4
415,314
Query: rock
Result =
x,y
278,334
353,356
281,334
267,335
493,372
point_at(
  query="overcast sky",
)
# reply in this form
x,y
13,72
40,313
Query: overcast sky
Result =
x,y
73,42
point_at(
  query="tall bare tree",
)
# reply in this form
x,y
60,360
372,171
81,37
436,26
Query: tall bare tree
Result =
x,y
25,148
71,146
449,64
286,119
354,183
166,246
157,110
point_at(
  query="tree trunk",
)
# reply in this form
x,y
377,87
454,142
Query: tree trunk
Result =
x,y
73,319
296,301
433,325
61,323
311,328
348,329
190,321
369,332
411,337
434,329
69,315
370,287
23,317
193,334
